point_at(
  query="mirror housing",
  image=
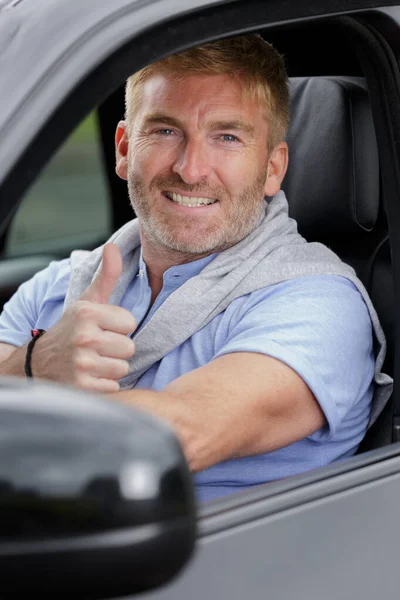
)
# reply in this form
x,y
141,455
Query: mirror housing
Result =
x,y
96,498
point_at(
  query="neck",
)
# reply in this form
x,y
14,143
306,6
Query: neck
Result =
x,y
160,259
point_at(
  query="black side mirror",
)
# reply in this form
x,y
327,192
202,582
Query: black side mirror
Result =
x,y
96,499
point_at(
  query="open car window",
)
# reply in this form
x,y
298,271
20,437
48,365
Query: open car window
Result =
x,y
68,206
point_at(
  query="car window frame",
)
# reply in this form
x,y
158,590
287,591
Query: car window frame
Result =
x,y
197,25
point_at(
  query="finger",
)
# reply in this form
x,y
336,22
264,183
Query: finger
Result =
x,y
102,287
98,384
115,319
89,363
109,368
114,345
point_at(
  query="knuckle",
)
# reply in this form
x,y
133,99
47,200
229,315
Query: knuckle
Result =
x,y
83,310
83,382
84,338
82,362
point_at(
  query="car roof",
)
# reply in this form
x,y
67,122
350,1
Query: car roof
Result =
x,y
4,4
34,34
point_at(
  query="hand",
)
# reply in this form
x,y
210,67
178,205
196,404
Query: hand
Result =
x,y
89,346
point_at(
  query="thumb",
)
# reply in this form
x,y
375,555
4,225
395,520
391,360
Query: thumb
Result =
x,y
101,288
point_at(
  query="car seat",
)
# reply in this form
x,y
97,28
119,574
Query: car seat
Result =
x,y
333,189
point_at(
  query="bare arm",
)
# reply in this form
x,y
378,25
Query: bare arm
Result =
x,y
12,360
241,404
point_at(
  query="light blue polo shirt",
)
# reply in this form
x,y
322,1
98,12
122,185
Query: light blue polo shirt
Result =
x,y
318,325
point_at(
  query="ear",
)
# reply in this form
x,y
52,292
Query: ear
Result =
x,y
121,150
277,167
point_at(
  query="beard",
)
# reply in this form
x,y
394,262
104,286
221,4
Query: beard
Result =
x,y
192,236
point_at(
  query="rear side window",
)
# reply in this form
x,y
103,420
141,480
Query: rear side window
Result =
x,y
68,207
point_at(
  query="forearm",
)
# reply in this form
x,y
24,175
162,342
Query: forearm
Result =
x,y
14,364
208,435
190,431
233,408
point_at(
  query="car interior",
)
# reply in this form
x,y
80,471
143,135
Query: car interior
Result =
x,y
334,182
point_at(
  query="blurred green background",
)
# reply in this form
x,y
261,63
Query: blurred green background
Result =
x,y
69,203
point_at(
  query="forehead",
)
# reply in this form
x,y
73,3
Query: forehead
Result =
x,y
196,94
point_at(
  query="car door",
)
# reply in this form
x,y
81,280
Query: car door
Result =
x,y
332,532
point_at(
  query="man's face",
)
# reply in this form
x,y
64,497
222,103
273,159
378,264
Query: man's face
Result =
x,y
196,163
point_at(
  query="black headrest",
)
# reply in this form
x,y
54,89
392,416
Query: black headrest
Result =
x,y
332,183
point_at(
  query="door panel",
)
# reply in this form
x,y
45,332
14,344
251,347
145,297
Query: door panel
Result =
x,y
341,546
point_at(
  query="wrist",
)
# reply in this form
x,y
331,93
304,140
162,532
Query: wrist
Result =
x,y
36,335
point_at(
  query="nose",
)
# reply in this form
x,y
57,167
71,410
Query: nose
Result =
x,y
192,162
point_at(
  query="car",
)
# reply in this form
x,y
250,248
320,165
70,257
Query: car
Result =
x,y
330,532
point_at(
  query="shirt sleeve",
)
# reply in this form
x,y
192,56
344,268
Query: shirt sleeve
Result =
x,y
320,327
21,313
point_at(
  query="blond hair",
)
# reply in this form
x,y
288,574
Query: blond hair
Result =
x,y
249,57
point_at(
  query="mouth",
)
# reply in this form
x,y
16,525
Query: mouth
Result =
x,y
192,201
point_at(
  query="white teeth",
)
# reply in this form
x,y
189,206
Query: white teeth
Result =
x,y
189,201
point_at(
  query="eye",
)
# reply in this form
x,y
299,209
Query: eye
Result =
x,y
166,132
227,137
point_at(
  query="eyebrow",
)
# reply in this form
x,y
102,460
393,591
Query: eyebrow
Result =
x,y
162,118
235,125
231,125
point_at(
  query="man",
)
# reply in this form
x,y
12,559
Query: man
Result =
x,y
210,310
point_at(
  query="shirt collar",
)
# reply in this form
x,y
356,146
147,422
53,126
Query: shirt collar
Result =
x,y
178,274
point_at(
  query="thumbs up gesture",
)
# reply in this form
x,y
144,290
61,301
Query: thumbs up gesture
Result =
x,y
89,346
102,287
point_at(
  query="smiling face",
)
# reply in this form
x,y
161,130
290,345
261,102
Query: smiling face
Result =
x,y
197,163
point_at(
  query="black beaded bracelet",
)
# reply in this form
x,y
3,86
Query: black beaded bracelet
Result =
x,y
36,334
